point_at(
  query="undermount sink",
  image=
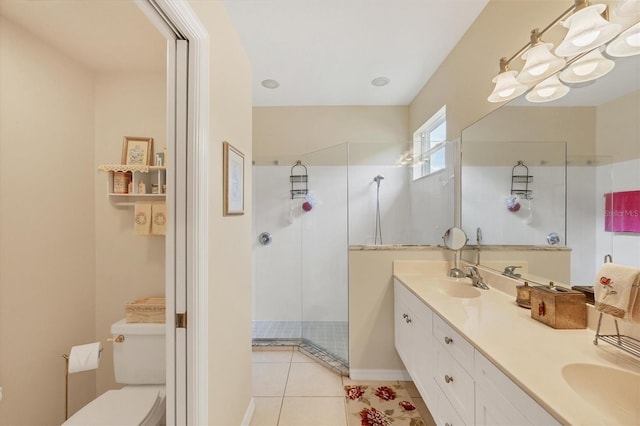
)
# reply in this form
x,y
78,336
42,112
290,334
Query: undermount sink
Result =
x,y
616,391
463,291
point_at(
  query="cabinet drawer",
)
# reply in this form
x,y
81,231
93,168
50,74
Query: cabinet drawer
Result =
x,y
456,383
453,343
444,414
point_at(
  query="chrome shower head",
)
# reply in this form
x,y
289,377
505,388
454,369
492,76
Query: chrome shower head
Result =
x,y
378,178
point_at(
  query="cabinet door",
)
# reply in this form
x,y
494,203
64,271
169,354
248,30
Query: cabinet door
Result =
x,y
423,357
403,318
499,401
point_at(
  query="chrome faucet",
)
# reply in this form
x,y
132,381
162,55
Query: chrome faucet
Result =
x,y
509,271
476,278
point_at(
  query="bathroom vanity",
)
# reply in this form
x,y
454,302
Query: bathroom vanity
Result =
x,y
478,358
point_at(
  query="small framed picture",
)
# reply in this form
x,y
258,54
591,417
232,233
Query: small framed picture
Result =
x,y
233,180
137,151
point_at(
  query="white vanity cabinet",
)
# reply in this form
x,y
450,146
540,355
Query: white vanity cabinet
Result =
x,y
458,383
413,340
499,401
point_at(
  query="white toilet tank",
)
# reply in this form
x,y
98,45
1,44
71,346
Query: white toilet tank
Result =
x,y
140,358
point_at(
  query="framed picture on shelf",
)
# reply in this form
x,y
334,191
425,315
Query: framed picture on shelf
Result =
x,y
233,180
137,151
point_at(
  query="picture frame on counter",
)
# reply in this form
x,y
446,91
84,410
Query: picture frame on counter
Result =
x,y
137,151
233,180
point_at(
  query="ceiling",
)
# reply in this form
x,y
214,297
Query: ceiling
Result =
x,y
327,52
322,52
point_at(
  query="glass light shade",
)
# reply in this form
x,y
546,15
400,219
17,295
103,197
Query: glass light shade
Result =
x,y
540,63
587,30
507,87
627,43
548,90
591,66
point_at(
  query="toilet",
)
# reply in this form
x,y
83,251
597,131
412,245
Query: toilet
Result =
x,y
139,364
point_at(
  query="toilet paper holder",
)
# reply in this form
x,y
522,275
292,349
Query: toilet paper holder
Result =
x,y
66,377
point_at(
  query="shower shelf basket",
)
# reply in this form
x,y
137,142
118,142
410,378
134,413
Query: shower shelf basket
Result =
x,y
299,179
520,180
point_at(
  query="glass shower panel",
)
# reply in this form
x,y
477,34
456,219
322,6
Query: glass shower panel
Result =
x,y
322,215
387,206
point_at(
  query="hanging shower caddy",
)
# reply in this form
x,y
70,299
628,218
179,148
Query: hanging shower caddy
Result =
x,y
299,180
520,180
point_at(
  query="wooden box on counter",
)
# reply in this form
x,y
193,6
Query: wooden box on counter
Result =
x,y
558,307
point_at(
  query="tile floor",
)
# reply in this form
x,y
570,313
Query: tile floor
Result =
x,y
291,388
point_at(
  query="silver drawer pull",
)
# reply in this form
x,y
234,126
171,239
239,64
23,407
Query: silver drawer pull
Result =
x,y
408,320
448,424
448,340
448,378
405,316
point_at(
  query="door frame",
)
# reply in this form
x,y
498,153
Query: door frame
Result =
x,y
187,252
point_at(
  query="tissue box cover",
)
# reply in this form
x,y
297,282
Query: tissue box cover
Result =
x,y
146,309
559,307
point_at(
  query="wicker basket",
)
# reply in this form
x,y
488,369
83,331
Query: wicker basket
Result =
x,y
146,309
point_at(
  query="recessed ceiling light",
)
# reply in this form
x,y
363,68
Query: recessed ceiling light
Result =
x,y
270,84
380,81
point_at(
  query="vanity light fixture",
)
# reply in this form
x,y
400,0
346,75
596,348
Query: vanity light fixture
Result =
x,y
507,87
589,67
540,62
548,90
587,30
627,43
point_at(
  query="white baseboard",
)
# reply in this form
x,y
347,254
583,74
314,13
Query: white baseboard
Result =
x,y
383,375
248,415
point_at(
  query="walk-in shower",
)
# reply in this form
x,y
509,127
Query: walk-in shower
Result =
x,y
301,287
378,228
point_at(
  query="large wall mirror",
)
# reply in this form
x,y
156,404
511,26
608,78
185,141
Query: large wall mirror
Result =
x,y
573,151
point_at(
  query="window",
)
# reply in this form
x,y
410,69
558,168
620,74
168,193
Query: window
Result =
x,y
428,145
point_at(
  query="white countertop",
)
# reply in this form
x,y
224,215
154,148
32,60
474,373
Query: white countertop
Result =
x,y
529,352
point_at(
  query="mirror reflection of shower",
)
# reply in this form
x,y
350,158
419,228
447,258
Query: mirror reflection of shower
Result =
x,y
378,232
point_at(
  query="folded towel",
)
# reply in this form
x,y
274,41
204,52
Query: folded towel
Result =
x,y
142,219
616,289
159,219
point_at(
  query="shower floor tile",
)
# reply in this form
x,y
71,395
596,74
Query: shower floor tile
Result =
x,y
332,336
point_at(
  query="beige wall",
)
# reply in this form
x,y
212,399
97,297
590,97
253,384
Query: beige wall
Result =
x,y
47,254
372,352
574,125
229,240
618,128
463,81
128,266
301,130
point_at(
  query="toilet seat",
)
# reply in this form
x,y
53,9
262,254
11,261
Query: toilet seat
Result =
x,y
131,405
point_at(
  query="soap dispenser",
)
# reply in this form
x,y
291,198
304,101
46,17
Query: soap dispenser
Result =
x,y
523,296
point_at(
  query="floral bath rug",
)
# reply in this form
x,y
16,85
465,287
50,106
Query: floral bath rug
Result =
x,y
380,405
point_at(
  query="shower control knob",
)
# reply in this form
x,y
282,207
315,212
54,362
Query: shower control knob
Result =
x,y
265,238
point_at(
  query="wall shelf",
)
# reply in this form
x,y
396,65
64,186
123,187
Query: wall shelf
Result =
x,y
119,175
